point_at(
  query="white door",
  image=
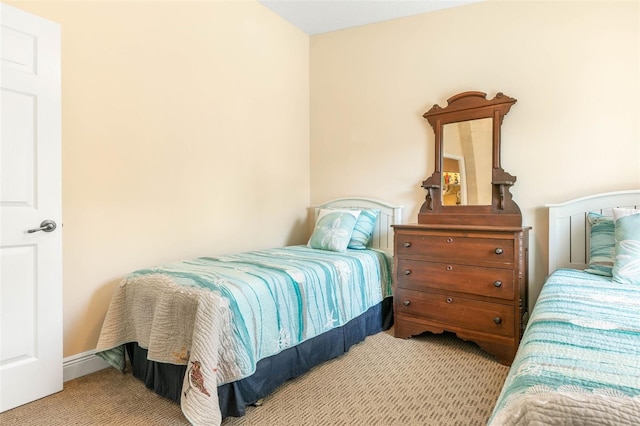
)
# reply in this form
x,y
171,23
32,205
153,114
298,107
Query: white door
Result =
x,y
30,193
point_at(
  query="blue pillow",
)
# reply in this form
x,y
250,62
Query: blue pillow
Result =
x,y
333,229
626,269
363,231
601,244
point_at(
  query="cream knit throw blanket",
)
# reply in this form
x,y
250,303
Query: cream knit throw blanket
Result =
x,y
178,325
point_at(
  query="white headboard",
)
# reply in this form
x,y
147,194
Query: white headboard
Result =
x,y
389,215
569,228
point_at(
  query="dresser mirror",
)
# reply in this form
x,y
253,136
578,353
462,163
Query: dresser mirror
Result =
x,y
468,185
466,162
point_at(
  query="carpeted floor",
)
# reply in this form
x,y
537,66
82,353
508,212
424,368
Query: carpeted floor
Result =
x,y
426,380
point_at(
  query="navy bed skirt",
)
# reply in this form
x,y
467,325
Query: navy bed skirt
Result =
x,y
166,379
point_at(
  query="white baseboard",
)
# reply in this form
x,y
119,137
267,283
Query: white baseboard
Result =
x,y
82,364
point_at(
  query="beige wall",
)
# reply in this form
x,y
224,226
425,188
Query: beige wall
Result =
x,y
572,66
185,133
186,124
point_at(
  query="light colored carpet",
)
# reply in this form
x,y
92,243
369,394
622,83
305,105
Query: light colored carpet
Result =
x,y
426,380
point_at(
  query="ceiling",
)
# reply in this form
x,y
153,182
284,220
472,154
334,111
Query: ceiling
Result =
x,y
321,16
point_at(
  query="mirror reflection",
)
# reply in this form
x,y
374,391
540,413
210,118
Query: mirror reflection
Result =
x,y
467,162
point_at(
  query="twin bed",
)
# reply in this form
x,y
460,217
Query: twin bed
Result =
x,y
579,359
219,333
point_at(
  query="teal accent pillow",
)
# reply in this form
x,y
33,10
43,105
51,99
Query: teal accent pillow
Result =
x,y
601,244
363,231
333,229
626,269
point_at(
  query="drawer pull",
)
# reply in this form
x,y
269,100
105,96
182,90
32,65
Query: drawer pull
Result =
x,y
498,250
406,302
449,300
407,272
449,268
497,320
407,244
498,284
449,240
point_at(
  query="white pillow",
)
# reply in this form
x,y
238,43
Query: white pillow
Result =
x,y
619,212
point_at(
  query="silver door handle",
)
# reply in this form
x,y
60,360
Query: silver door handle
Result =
x,y
46,226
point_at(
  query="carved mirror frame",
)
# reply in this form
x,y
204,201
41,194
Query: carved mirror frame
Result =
x,y
503,210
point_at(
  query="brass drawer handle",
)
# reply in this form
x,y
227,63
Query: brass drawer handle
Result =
x,y
449,240
498,283
497,320
407,272
406,302
407,244
498,250
449,268
449,300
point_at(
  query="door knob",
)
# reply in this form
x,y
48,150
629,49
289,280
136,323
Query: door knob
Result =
x,y
46,226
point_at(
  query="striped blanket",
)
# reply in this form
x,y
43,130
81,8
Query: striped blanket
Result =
x,y
220,316
579,359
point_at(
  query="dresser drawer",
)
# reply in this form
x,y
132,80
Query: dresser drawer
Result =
x,y
447,247
481,281
485,317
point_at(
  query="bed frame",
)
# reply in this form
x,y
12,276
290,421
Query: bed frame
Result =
x,y
569,228
389,215
576,363
166,379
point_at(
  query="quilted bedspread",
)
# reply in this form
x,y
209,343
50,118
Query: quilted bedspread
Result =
x,y
579,360
220,316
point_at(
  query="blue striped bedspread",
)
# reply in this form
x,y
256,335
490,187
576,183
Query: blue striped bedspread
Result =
x,y
277,298
579,359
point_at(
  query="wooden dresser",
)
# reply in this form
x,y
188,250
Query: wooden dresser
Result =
x,y
467,279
